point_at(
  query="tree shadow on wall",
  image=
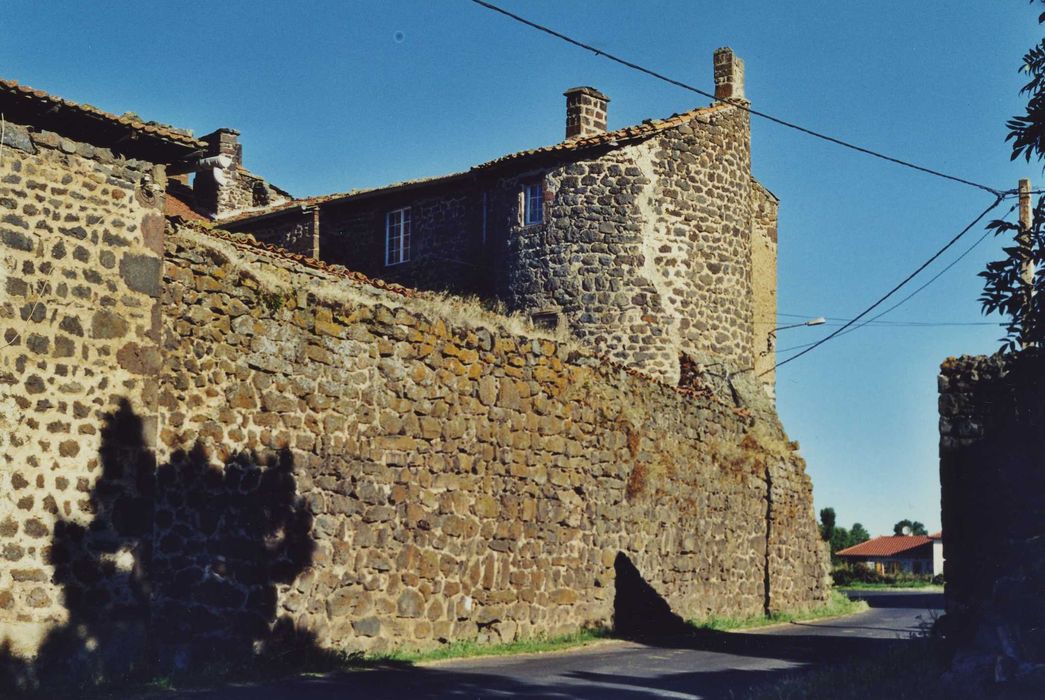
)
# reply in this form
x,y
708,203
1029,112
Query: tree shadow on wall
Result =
x,y
178,566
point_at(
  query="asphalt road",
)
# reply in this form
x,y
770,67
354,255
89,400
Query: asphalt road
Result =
x,y
708,665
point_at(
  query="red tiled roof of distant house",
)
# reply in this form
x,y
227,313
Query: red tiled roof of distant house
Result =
x,y
886,546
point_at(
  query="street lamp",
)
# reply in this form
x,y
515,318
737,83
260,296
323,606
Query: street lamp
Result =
x,y
818,321
771,336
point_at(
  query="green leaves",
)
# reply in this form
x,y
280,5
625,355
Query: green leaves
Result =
x,y
915,527
1006,289
1006,292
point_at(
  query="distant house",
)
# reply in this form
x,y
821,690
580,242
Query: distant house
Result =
x,y
893,554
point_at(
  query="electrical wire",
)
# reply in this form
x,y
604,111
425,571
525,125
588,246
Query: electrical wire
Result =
x,y
736,103
895,289
834,322
903,301
895,323
743,105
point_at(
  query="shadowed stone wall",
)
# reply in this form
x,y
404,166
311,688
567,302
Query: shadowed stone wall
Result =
x,y
81,245
992,477
446,245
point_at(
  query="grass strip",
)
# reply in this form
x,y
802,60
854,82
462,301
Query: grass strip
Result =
x,y
325,661
837,606
472,649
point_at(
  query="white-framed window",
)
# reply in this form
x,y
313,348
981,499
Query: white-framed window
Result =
x,y
397,236
533,203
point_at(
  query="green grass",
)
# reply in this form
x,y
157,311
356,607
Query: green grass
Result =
x,y
838,605
470,649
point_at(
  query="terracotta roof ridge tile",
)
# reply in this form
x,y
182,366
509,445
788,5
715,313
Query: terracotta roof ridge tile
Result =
x,y
161,131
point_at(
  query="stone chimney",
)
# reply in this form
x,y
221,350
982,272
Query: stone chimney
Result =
x,y
585,112
225,142
729,75
216,183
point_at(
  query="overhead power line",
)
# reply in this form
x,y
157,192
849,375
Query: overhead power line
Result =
x,y
831,322
895,289
874,319
740,105
905,322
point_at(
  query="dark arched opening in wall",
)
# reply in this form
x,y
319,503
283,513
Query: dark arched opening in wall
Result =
x,y
178,565
638,609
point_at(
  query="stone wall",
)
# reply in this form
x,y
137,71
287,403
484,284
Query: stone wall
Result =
x,y
446,246
647,248
458,480
992,479
208,443
298,232
763,282
81,245
648,251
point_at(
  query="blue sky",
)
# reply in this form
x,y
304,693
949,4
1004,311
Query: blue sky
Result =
x,y
335,95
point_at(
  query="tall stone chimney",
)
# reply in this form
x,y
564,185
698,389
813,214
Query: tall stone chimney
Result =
x,y
585,112
216,183
225,142
729,75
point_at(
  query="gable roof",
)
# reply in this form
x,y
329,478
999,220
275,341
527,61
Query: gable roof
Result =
x,y
61,116
885,546
610,138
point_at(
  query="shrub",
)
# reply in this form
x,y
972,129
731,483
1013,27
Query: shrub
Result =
x,y
848,575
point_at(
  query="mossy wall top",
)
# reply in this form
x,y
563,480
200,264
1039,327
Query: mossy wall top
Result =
x,y
466,480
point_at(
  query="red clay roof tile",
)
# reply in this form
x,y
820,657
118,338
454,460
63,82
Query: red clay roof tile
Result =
x,y
159,131
886,546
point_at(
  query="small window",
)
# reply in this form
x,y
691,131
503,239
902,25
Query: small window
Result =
x,y
533,203
548,320
397,236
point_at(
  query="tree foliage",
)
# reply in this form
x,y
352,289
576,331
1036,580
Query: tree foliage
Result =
x,y
916,527
827,523
1027,131
839,537
1005,291
858,534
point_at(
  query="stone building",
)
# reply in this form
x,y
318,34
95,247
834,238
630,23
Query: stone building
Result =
x,y
210,445
652,244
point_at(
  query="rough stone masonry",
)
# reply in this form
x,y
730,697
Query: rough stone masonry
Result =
x,y
212,444
466,481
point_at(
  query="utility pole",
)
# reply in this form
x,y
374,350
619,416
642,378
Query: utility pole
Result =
x,y
1024,243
